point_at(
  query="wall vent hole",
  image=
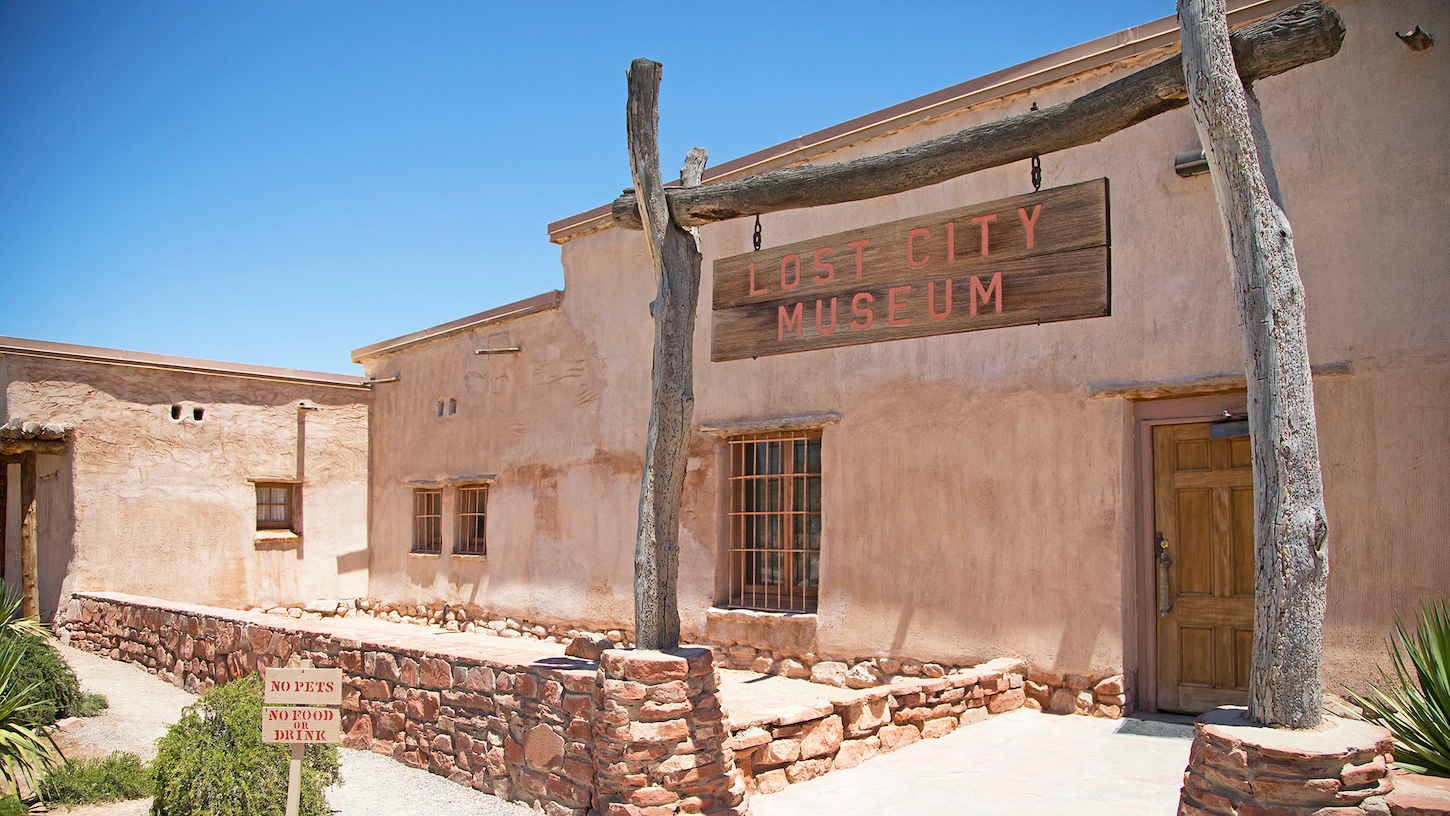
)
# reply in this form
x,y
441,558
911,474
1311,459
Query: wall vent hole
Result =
x,y
452,406
440,406
176,412
198,413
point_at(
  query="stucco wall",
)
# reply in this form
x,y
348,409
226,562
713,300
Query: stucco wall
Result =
x,y
978,501
150,505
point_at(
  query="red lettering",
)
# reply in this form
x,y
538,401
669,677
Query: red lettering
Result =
x,y
753,290
826,265
892,306
984,220
931,300
797,282
951,242
786,322
860,247
821,329
856,308
279,685
1028,224
911,248
994,286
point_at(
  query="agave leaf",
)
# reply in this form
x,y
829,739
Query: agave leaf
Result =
x,y
1415,704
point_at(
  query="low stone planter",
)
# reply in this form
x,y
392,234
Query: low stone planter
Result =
x,y
1237,768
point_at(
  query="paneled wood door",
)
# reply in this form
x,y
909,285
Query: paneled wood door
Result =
x,y
1203,496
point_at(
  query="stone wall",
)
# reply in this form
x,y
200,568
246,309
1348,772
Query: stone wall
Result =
x,y
1238,769
524,725
1094,695
779,748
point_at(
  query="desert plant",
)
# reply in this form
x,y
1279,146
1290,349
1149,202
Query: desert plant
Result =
x,y
26,748
11,806
117,777
1415,705
213,761
90,705
58,692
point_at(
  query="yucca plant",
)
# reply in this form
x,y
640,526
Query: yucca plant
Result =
x,y
1415,706
26,747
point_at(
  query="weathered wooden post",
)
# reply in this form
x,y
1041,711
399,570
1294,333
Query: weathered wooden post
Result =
x,y
1290,527
676,259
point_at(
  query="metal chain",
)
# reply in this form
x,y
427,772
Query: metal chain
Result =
x,y
757,232
1036,166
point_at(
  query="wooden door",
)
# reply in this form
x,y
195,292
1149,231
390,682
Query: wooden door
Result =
x,y
1203,496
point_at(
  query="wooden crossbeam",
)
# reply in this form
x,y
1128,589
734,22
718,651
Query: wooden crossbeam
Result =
x,y
1297,36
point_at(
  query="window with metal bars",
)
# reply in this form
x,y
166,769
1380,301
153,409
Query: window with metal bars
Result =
x,y
274,506
775,521
427,521
472,504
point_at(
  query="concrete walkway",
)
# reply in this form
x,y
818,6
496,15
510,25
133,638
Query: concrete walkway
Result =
x,y
1022,763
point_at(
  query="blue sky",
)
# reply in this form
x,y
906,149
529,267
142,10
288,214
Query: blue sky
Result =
x,y
279,183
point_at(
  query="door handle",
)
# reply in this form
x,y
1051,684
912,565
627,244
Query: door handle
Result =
x,y
1165,601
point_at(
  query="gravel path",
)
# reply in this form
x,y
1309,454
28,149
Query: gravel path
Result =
x,y
143,706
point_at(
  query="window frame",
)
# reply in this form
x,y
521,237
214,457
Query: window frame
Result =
x,y
786,485
427,526
464,542
289,524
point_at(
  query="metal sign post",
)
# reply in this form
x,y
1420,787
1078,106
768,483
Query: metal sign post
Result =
x,y
310,712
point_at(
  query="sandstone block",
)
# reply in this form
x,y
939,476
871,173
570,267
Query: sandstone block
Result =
x,y
658,732
807,769
771,781
973,715
864,675
790,667
830,673
588,646
655,712
938,727
751,737
933,670
653,668
897,736
821,737
1063,701
1006,701
854,752
778,751
1110,686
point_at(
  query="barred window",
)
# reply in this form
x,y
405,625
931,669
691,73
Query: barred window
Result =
x,y
274,506
775,520
427,521
472,504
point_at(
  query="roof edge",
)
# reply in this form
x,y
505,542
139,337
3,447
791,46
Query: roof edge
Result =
x,y
23,347
537,303
1033,73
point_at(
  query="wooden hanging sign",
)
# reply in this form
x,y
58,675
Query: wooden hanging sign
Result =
x,y
1035,258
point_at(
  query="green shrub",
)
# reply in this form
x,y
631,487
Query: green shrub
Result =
x,y
10,806
26,749
118,777
213,761
41,664
1415,707
91,705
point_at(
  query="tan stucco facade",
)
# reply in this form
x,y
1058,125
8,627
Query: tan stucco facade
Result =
x,y
156,493
982,492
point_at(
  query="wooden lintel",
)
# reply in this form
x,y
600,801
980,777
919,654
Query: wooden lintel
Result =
x,y
1199,385
452,481
806,422
1297,36
14,448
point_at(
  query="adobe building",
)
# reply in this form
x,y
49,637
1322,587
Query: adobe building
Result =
x,y
189,480
999,475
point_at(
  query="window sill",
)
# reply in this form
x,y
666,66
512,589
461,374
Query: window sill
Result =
x,y
276,540
424,554
786,632
469,556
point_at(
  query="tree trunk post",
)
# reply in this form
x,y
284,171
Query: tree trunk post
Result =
x,y
1290,526
29,552
676,259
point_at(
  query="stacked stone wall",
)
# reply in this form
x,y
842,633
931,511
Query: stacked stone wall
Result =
x,y
779,748
1095,695
523,732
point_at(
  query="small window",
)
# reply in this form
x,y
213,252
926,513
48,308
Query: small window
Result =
x,y
274,506
427,521
472,503
775,521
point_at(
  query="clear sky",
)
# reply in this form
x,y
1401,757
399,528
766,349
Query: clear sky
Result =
x,y
279,183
